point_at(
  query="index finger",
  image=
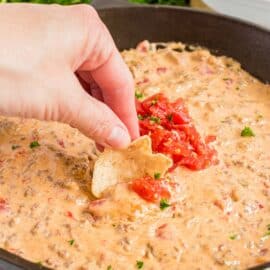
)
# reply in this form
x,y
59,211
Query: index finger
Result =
x,y
105,65
117,86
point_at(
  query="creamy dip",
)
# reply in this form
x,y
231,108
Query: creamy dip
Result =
x,y
218,217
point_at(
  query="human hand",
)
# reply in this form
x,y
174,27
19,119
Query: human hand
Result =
x,y
52,58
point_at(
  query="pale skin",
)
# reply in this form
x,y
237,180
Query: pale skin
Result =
x,y
61,64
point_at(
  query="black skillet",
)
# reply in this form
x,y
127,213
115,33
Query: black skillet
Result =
x,y
129,24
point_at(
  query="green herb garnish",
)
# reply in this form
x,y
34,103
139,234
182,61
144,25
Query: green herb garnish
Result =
x,y
15,146
109,267
139,264
268,231
157,175
247,132
138,95
155,119
233,236
140,117
154,102
71,242
164,204
34,144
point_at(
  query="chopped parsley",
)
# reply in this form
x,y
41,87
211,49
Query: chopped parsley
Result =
x,y
109,267
164,204
154,101
138,95
247,132
157,175
15,146
268,231
34,144
155,119
139,264
233,236
71,242
140,117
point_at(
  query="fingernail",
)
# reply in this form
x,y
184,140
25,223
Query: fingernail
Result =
x,y
118,138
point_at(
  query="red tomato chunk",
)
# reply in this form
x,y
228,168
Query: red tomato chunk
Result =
x,y
150,189
3,204
173,133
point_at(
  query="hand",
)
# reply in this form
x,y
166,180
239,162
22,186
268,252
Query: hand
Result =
x,y
61,64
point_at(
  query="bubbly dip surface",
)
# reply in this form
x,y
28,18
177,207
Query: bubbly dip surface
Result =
x,y
217,218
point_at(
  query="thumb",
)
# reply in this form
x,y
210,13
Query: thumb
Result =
x,y
92,117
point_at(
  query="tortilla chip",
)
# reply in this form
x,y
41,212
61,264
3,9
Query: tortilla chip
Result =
x,y
116,166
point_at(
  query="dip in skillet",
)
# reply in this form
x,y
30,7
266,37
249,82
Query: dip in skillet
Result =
x,y
217,215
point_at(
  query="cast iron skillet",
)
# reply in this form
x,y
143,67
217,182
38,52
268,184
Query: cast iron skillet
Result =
x,y
247,43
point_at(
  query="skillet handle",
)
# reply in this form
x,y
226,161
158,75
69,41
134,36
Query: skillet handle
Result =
x,y
99,4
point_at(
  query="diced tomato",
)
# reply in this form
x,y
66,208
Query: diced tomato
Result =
x,y
173,133
210,138
179,106
180,118
157,137
147,126
145,80
139,108
161,70
150,189
3,204
193,162
165,232
157,100
61,143
172,145
69,214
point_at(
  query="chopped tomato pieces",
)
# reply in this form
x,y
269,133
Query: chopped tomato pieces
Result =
x,y
150,189
172,132
210,138
3,204
69,214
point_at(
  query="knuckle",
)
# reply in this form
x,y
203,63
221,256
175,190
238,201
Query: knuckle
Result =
x,y
103,54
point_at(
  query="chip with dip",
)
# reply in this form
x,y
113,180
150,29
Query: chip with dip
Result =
x,y
116,166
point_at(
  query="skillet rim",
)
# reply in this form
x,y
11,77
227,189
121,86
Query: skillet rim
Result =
x,y
236,20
